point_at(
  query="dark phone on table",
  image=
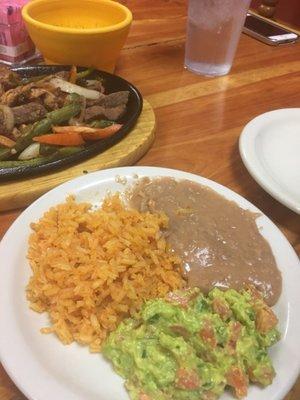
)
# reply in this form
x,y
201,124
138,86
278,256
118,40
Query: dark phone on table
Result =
x,y
267,31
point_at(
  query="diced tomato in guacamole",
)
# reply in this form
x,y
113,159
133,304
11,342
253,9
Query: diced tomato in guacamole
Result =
x,y
191,347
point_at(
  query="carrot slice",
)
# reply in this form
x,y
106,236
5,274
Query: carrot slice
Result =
x,y
102,133
61,139
6,142
87,132
73,74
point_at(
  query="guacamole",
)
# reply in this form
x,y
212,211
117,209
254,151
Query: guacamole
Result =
x,y
190,347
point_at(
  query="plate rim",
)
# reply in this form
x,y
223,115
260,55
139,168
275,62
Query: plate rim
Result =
x,y
252,162
84,182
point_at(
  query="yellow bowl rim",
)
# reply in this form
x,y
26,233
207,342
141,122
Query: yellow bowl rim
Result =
x,y
110,28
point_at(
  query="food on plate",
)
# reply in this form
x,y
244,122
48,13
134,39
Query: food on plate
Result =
x,y
66,109
219,242
92,268
141,277
190,346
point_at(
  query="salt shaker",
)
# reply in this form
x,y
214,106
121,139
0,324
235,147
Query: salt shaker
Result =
x,y
16,47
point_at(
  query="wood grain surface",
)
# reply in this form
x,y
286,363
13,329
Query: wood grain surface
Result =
x,y
19,193
199,119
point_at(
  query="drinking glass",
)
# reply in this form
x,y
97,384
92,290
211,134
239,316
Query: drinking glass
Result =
x,y
213,31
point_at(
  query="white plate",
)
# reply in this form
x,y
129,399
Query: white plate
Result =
x,y
270,150
44,369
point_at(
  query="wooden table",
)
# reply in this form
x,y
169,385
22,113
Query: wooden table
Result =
x,y
199,119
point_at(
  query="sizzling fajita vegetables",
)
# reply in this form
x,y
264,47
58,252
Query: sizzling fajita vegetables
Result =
x,y
66,110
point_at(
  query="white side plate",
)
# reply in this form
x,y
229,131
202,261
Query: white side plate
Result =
x,y
270,149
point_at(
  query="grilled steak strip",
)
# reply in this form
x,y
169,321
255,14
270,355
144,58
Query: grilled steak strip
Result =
x,y
98,112
112,106
25,114
28,113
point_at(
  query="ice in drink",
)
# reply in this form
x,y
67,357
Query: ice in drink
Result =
x,y
213,32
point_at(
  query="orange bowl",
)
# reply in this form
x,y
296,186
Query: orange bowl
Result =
x,y
89,33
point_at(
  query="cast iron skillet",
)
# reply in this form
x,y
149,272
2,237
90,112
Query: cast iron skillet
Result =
x,y
111,83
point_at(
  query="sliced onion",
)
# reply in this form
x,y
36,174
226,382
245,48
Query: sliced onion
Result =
x,y
90,82
8,118
32,151
69,87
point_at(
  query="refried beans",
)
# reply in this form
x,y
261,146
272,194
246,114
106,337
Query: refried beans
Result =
x,y
219,242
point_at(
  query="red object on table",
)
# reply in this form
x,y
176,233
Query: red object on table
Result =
x,y
15,43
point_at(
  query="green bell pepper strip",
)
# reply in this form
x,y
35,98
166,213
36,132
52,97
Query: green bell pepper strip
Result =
x,y
84,74
56,117
59,153
103,123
